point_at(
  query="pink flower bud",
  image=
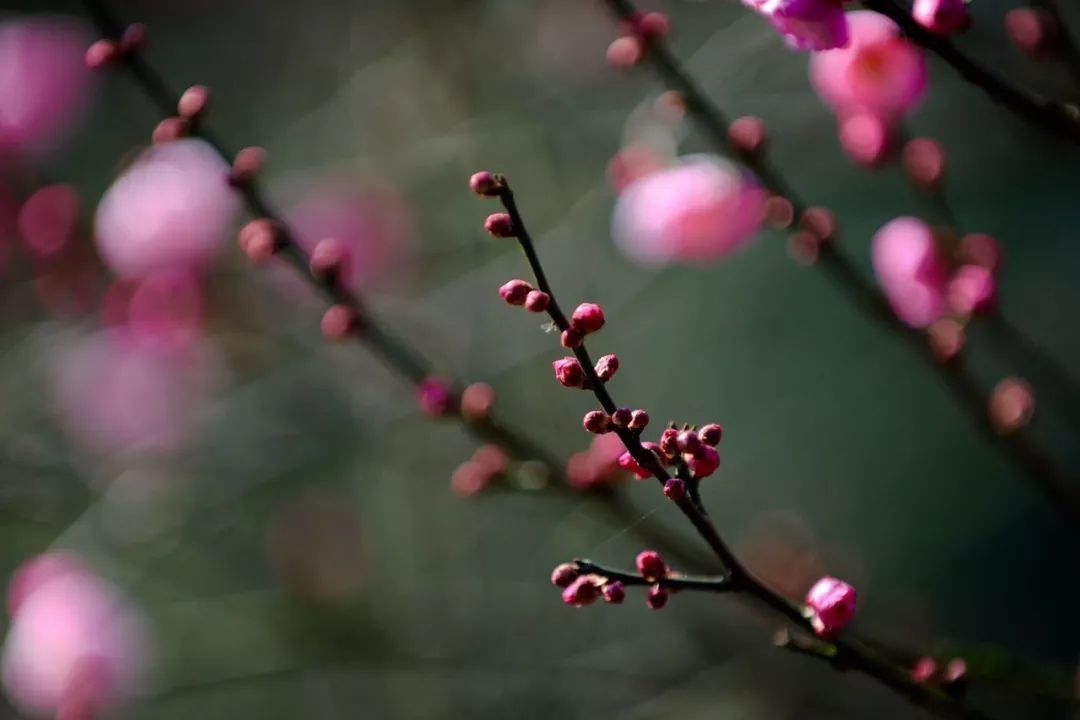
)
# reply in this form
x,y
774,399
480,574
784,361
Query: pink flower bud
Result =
x,y
470,478
327,257
259,239
247,165
493,458
688,441
943,17
564,574
569,373
833,603
571,338
625,52
924,670
627,462
653,25
711,434
484,184
515,292
338,322
193,102
675,489
499,225
924,161
865,138
435,396
537,301
596,422
1012,405
980,249
704,461
170,129
587,318
48,220
476,402
1033,30
614,592
804,247
606,367
971,289
650,565
955,671
622,417
778,212
819,221
581,592
103,52
669,442
639,420
947,338
657,597
747,134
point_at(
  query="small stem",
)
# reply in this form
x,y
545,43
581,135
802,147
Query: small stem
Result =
x,y
672,581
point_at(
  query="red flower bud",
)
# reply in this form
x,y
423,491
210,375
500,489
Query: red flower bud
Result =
x,y
607,366
499,225
587,318
650,565
537,301
569,373
515,292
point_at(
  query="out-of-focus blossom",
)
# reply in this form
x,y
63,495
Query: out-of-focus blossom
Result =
x,y
371,222
865,138
806,24
833,603
879,72
76,647
1033,30
697,211
943,17
44,84
48,220
116,398
1012,405
168,211
972,288
162,311
911,270
597,466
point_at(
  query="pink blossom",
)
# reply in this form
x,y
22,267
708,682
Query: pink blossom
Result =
x,y
911,270
75,643
117,397
48,220
37,571
806,24
879,72
371,222
44,85
697,211
168,211
162,311
971,289
833,603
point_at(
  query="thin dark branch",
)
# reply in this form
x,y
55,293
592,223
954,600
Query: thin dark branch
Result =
x,y
672,581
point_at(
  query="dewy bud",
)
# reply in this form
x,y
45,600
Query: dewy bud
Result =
x,y
568,372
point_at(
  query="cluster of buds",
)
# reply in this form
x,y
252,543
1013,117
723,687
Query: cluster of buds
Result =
x,y
599,422
635,34
519,292
584,588
689,447
586,319
817,226
106,51
488,463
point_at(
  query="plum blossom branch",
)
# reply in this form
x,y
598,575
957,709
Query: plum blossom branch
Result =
x,y
1019,446
830,603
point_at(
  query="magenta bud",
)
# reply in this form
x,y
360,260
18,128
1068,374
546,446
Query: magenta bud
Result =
x,y
669,443
327,257
537,301
581,592
338,322
103,52
564,574
568,372
515,292
657,597
627,462
653,25
435,396
614,592
194,101
259,240
639,420
596,422
710,434
247,165
688,441
833,603
485,184
622,417
675,489
571,338
650,565
625,52
704,461
923,160
499,225
606,367
476,401
587,318
747,134
924,670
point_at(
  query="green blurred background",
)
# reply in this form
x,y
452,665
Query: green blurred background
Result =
x,y
840,441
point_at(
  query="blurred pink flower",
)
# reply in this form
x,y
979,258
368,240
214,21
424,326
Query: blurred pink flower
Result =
x,y
48,220
806,24
119,397
37,571
371,221
879,72
971,289
44,84
697,211
168,211
162,311
911,270
75,645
